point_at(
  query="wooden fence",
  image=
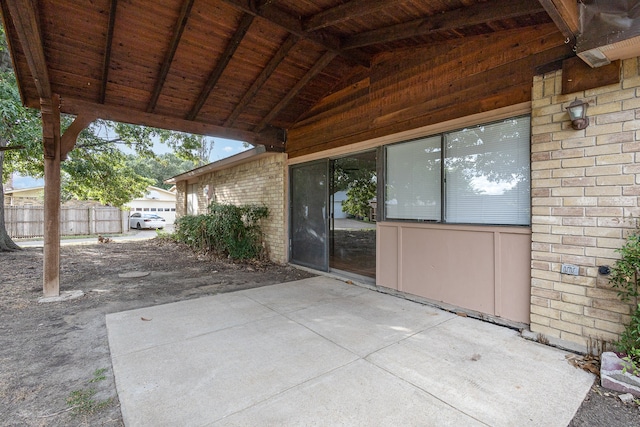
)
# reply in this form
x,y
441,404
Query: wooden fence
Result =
x,y
28,221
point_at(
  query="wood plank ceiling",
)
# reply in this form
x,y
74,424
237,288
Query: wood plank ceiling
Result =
x,y
244,69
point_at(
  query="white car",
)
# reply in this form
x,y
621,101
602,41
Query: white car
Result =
x,y
145,220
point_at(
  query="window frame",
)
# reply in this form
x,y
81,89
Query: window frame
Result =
x,y
382,193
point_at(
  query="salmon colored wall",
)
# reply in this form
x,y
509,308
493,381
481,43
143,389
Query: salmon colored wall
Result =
x,y
479,268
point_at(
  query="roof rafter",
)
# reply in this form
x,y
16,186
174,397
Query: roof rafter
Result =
x,y
106,63
294,25
479,13
168,59
343,12
317,68
233,44
262,78
27,26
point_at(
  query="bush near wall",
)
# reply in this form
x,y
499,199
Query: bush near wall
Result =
x,y
228,230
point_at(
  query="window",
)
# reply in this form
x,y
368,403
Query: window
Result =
x,y
413,180
485,179
192,199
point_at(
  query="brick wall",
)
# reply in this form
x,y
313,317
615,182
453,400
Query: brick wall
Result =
x,y
181,194
262,182
584,190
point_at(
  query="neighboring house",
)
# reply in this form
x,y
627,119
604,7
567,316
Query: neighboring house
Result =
x,y
338,198
24,196
156,200
34,196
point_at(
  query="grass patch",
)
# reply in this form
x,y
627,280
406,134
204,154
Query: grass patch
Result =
x,y
82,402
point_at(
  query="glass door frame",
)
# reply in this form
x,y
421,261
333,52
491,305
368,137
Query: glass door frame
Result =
x,y
326,216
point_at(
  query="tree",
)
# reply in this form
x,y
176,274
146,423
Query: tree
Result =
x,y
159,168
359,194
19,130
356,175
204,152
95,169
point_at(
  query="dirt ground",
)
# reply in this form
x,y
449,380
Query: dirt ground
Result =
x,y
55,367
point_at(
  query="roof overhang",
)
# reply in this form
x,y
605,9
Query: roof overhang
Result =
x,y
241,158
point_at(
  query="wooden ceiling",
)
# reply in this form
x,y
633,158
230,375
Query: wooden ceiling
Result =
x,y
243,69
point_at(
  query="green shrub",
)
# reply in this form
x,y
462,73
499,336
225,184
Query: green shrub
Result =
x,y
624,277
227,229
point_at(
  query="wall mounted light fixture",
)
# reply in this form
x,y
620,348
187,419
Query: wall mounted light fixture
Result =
x,y
578,113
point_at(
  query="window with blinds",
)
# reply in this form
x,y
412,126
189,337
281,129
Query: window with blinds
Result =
x,y
476,175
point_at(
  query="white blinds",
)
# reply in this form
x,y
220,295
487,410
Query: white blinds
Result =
x,y
413,183
487,174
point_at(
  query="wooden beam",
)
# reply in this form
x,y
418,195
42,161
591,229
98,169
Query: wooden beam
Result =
x,y
577,76
477,14
233,44
317,68
294,25
51,141
127,115
68,140
27,26
343,12
173,47
9,28
106,63
565,15
262,78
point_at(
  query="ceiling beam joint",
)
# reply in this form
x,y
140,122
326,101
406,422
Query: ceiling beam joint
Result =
x,y
294,25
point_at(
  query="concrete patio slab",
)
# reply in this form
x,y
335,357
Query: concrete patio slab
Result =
x,y
322,352
153,326
358,394
490,372
368,323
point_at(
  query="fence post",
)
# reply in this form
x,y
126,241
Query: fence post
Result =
x,y
124,221
94,220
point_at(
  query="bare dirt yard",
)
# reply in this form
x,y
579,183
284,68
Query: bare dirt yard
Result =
x,y
55,367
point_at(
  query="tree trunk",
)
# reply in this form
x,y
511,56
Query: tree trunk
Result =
x,y
6,244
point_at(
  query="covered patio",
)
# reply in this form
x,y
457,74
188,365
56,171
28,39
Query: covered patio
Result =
x,y
255,70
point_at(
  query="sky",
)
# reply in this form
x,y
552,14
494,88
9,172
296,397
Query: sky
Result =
x,y
222,148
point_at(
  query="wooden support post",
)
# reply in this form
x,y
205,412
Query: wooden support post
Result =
x,y
51,140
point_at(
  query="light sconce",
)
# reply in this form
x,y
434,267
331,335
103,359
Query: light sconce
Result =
x,y
578,113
